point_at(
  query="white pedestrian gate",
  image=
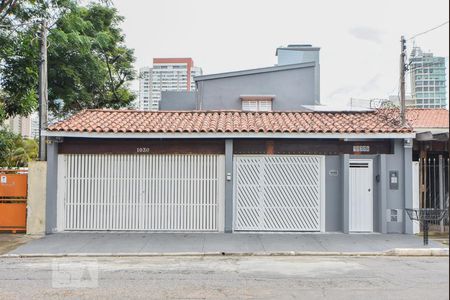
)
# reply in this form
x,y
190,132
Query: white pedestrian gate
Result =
x,y
361,195
279,193
140,192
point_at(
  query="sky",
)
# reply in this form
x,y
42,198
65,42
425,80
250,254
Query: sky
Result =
x,y
359,39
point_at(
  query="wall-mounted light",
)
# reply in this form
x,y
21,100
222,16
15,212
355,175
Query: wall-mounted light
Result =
x,y
407,143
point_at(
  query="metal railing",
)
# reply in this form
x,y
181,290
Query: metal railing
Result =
x,y
434,188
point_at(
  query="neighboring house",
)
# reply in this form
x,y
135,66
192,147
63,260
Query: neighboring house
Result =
x,y
229,171
432,132
429,121
430,156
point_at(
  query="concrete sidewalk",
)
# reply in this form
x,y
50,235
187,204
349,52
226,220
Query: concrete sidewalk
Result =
x,y
10,241
128,243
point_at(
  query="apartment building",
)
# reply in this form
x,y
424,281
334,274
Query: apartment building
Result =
x,y
166,74
428,79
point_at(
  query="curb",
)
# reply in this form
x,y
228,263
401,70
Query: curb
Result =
x,y
418,252
392,252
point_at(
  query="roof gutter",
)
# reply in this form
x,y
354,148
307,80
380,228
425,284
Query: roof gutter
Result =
x,y
227,135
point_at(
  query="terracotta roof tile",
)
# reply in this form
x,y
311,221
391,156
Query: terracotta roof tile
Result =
x,y
428,117
379,121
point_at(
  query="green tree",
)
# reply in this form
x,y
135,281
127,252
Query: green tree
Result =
x,y
19,51
16,151
6,6
89,65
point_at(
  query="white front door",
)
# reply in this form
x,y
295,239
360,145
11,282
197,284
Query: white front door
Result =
x,y
361,195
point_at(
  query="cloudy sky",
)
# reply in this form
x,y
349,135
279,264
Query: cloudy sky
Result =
x,y
359,39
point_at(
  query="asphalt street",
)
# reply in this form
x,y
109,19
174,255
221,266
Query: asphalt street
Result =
x,y
225,277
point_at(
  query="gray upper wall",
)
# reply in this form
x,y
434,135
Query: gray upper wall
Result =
x,y
294,54
174,100
292,85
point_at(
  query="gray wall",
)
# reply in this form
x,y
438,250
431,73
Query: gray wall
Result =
x,y
172,100
52,179
292,89
333,194
288,56
407,182
383,197
295,56
395,198
229,174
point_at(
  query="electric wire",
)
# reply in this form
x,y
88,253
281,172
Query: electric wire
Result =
x,y
427,31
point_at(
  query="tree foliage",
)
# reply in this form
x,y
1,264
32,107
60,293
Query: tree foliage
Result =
x,y
89,65
6,6
16,151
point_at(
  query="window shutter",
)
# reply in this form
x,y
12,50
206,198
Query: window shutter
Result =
x,y
250,105
265,105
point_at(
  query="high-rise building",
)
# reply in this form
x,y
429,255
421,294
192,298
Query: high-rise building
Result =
x,y
145,88
27,127
167,74
428,79
20,125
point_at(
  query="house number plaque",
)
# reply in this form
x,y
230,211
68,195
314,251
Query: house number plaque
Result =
x,y
142,150
360,149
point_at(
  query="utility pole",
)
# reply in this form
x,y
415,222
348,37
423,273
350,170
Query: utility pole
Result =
x,y
43,91
403,68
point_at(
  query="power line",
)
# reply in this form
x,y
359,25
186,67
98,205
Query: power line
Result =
x,y
429,30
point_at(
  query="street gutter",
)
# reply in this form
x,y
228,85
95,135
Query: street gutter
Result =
x,y
393,252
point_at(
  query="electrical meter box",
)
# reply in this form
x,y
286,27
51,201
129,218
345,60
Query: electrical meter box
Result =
x,y
393,180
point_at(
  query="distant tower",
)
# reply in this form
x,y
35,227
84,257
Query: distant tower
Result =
x,y
167,74
145,88
301,53
428,79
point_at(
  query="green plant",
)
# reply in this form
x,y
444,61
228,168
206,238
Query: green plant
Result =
x,y
16,151
89,65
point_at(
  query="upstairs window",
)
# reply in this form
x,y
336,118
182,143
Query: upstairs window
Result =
x,y
257,103
250,105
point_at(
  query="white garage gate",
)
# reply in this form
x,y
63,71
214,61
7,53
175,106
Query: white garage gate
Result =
x,y
140,192
279,193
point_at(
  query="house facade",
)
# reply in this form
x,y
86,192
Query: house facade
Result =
x,y
248,151
229,171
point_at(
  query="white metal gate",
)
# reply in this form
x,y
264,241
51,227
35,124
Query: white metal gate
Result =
x,y
279,193
140,192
